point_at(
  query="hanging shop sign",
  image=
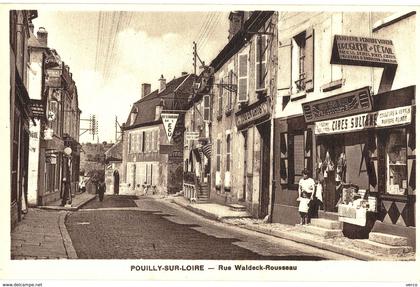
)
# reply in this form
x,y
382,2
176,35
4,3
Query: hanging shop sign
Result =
x,y
338,106
363,51
384,118
253,114
169,122
192,136
37,108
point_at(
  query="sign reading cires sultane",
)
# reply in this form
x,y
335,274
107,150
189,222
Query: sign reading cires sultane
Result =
x,y
363,51
384,118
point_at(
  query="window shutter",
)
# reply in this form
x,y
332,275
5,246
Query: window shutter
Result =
x,y
309,60
260,62
221,97
243,78
141,142
206,100
157,140
283,158
218,151
285,65
129,143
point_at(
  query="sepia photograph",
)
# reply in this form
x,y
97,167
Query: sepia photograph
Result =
x,y
229,139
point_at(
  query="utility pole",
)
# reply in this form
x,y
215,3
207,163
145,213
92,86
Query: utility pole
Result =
x,y
195,73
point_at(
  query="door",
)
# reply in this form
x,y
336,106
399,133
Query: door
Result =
x,y
330,146
265,169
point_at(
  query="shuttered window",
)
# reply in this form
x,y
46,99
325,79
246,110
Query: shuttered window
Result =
x,y
140,138
156,147
260,62
228,153
220,111
129,143
218,154
298,154
243,78
206,100
230,91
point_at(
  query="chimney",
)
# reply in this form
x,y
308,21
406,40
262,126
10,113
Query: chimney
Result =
x,y
42,36
31,27
145,90
162,81
235,23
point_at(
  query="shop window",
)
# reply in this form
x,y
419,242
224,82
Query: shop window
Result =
x,y
396,162
243,78
260,62
299,161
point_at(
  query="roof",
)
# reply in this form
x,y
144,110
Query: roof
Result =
x,y
146,107
253,24
114,152
33,41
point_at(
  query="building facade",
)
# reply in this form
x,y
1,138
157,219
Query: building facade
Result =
x,y
153,161
243,89
345,110
20,111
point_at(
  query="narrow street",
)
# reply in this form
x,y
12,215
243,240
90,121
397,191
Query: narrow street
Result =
x,y
117,229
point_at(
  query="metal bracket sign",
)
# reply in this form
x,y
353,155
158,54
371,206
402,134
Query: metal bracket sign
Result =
x,y
192,136
169,122
363,51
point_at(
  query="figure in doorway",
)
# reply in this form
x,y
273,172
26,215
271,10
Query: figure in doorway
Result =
x,y
101,188
116,182
306,193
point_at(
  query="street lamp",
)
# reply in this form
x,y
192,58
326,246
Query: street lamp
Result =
x,y
67,177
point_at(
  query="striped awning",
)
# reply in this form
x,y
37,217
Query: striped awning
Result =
x,y
207,150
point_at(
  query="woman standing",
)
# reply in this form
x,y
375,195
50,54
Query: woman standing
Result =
x,y
306,194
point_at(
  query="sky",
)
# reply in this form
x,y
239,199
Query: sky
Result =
x,y
110,54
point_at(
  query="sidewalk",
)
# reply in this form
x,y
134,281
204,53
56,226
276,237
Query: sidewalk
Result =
x,y
78,201
341,245
42,235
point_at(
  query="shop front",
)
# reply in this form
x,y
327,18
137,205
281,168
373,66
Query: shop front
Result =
x,y
366,161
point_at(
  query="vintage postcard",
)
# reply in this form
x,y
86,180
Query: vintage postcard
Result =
x,y
208,142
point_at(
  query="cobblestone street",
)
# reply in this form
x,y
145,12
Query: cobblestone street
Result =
x,y
158,231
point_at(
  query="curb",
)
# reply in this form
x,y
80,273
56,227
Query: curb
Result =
x,y
72,208
289,236
68,245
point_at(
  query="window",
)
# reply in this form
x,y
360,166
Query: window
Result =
x,y
396,162
299,161
218,154
302,69
220,111
228,153
260,62
206,100
243,78
231,82
299,76
129,143
133,116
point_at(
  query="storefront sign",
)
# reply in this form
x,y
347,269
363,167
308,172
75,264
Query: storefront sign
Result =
x,y
169,122
384,118
37,108
363,51
253,114
339,105
191,136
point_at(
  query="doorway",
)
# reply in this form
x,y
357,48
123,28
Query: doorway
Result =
x,y
116,182
264,130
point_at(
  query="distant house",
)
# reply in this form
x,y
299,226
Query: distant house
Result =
x,y
152,163
113,164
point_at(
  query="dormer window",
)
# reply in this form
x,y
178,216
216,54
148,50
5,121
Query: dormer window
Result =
x,y
133,116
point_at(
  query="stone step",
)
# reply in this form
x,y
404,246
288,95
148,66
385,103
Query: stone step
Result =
x,y
320,231
327,223
237,207
382,248
388,239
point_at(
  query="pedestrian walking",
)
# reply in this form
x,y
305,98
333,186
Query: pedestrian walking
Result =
x,y
306,193
101,188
